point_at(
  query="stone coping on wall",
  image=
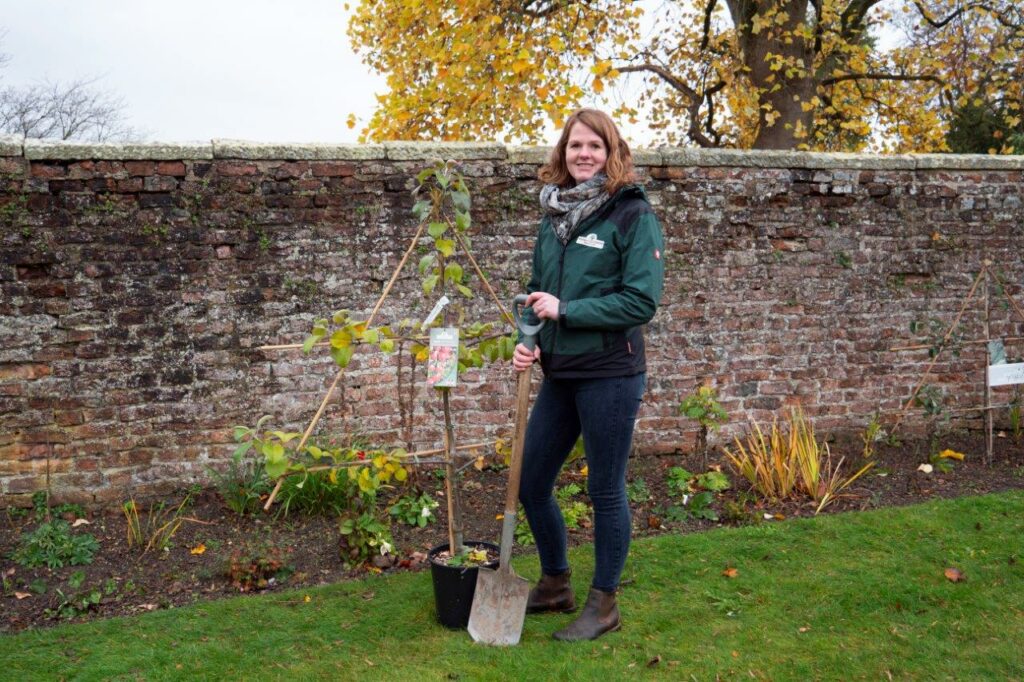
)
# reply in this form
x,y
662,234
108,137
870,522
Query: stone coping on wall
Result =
x,y
467,151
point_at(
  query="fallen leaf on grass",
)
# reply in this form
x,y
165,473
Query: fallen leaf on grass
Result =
x,y
307,599
81,522
654,661
148,607
951,454
954,575
198,549
804,628
730,572
22,595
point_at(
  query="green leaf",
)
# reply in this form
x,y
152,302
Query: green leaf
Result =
x,y
489,349
371,336
453,272
429,283
284,436
445,246
460,199
341,339
422,208
276,469
462,221
426,262
339,316
242,449
310,341
241,432
435,230
273,451
387,345
341,356
464,290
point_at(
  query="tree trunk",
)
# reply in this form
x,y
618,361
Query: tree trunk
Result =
x,y
780,96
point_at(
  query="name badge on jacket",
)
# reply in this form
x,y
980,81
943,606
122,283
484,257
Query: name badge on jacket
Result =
x,y
591,240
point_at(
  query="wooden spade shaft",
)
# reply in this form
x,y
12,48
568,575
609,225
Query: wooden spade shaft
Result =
x,y
515,471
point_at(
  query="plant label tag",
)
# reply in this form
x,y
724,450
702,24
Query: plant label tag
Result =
x,y
443,358
591,240
1006,375
435,311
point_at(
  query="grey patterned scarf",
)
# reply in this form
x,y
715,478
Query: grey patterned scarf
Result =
x,y
569,207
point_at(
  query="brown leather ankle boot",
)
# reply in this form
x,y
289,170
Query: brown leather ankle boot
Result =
x,y
600,615
552,593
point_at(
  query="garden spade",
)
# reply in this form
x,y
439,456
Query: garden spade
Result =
x,y
499,603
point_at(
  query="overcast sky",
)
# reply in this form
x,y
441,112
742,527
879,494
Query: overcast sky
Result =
x,y
267,70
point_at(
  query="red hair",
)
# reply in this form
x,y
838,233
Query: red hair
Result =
x,y
618,166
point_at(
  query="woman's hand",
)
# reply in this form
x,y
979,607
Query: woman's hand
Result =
x,y
522,358
545,306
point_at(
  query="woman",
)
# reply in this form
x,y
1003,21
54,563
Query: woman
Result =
x,y
597,277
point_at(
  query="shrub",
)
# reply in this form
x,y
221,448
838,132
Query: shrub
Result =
x,y
162,522
53,544
575,512
362,537
254,567
244,483
791,462
414,510
702,407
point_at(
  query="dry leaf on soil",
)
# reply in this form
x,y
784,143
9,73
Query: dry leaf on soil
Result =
x,y
81,522
22,595
730,572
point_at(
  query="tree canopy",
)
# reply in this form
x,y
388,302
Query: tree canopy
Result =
x,y
884,75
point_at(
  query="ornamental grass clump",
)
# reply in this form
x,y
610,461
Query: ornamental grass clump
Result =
x,y
790,462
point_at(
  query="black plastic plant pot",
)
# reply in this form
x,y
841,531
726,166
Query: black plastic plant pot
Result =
x,y
454,586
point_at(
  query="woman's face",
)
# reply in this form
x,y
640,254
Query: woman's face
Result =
x,y
585,153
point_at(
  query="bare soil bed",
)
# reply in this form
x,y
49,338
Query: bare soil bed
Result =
x,y
195,567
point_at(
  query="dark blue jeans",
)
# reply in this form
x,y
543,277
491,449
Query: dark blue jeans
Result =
x,y
604,411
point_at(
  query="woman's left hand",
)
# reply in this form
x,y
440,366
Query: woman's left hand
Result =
x,y
545,306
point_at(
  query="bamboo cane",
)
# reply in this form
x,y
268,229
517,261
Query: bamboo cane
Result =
x,y
337,377
949,332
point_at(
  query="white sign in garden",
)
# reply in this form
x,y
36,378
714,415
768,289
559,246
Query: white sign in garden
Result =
x,y
1006,374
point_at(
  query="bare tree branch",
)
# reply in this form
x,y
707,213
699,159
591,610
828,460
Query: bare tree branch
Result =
x,y
851,21
539,10
706,37
661,71
939,23
64,111
880,77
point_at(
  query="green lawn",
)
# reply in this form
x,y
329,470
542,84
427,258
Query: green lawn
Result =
x,y
846,596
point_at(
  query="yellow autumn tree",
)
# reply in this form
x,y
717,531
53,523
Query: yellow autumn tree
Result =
x,y
770,74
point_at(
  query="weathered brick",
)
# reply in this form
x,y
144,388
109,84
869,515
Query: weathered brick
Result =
x,y
782,285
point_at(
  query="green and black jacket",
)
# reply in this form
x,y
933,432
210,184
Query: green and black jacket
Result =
x,y
608,279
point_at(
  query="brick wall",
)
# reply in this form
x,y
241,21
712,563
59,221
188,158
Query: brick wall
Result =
x,y
137,283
